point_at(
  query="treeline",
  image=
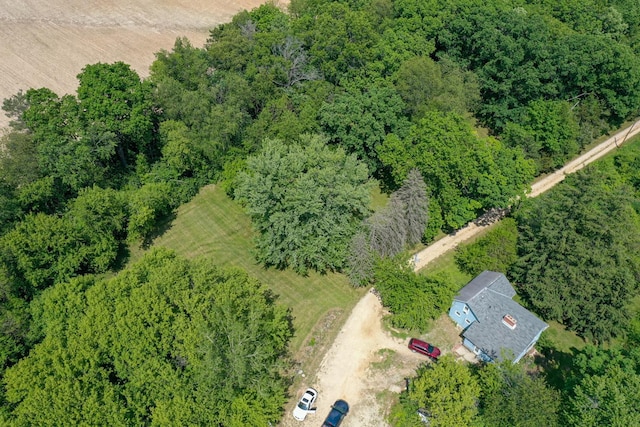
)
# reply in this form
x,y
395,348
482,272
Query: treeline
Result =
x,y
295,113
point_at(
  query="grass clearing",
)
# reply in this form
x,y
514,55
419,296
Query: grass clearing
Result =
x,y
378,198
387,358
445,268
562,339
215,227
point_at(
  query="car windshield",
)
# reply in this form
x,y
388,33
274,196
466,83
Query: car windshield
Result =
x,y
430,348
303,404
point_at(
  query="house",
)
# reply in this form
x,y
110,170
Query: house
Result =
x,y
494,325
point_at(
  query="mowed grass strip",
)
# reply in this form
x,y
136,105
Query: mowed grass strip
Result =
x,y
215,227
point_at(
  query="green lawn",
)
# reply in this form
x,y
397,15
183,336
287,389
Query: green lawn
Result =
x,y
563,340
445,268
214,226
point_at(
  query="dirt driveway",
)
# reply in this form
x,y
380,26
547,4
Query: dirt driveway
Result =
x,y
450,242
364,363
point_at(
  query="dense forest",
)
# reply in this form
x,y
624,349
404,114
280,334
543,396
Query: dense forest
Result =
x,y
451,107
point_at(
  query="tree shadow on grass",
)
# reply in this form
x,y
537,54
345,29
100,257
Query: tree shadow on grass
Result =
x,y
124,251
164,225
556,365
122,258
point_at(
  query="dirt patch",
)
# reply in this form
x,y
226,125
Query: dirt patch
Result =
x,y
46,43
366,366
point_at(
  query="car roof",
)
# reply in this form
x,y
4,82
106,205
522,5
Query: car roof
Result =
x,y
419,342
341,406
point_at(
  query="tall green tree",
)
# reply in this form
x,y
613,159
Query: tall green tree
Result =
x,y
602,388
428,85
510,49
147,205
600,56
342,41
42,250
511,396
413,299
100,216
446,391
306,201
165,341
547,133
578,253
495,251
360,119
18,168
74,153
465,174
114,101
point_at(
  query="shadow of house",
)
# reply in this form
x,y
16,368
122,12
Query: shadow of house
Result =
x,y
494,325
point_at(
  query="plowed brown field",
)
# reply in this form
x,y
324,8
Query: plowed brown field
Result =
x,y
46,43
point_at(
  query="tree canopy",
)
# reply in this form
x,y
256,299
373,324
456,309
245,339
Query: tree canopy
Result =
x,y
578,252
464,174
306,201
446,391
167,340
306,108
511,396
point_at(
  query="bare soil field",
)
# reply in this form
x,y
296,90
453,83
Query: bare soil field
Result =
x,y
46,43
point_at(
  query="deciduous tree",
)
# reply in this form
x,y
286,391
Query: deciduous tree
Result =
x,y
166,340
495,251
547,133
114,101
447,391
603,388
413,299
511,396
306,201
360,119
464,173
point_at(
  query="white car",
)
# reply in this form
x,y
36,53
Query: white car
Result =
x,y
305,404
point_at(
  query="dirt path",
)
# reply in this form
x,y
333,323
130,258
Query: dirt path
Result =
x,y
363,362
358,369
46,43
447,243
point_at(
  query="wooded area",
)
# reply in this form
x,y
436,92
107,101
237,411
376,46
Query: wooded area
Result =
x,y
451,107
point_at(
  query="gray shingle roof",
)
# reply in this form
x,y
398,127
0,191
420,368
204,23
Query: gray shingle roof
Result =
x,y
487,279
490,298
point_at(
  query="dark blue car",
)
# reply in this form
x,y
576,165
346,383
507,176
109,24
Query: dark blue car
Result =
x,y
339,410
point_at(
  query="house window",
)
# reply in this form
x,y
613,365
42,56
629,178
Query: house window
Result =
x,y
458,313
467,321
465,310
